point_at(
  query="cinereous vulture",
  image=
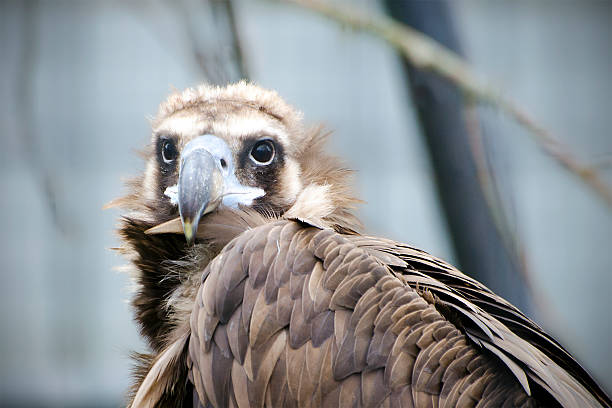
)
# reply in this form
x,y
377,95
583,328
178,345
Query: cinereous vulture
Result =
x,y
254,288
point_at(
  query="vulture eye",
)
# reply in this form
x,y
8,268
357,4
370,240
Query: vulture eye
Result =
x,y
168,151
262,152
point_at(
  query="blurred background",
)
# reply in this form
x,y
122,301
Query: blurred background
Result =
x,y
78,80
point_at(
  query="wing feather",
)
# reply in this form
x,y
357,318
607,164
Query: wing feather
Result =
x,y
311,317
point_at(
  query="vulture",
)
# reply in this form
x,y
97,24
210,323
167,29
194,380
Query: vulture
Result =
x,y
254,287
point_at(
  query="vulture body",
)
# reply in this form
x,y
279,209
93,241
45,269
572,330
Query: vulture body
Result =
x,y
253,287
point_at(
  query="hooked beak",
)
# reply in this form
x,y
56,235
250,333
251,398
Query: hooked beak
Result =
x,y
206,180
200,188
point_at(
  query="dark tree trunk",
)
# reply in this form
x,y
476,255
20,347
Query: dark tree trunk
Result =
x,y
479,248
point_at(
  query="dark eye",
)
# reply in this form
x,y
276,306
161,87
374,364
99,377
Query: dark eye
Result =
x,y
262,152
168,151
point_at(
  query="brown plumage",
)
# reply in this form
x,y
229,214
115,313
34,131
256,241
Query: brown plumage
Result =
x,y
280,302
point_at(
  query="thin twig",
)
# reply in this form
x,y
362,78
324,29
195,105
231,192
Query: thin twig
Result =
x,y
492,194
209,62
236,40
510,238
218,67
425,53
33,156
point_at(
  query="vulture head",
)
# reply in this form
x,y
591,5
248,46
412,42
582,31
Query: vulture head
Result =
x,y
238,147
214,153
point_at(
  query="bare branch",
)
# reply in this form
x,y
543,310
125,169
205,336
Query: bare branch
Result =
x,y
425,53
492,194
236,39
45,176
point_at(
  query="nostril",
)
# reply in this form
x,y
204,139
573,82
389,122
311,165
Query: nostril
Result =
x,y
223,163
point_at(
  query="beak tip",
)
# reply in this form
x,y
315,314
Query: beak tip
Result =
x,y
189,229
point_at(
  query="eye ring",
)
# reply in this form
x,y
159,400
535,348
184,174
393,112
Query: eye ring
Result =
x,y
169,153
262,152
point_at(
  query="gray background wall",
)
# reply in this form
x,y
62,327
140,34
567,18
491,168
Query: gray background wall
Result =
x,y
78,79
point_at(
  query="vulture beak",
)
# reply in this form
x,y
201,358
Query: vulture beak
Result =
x,y
206,180
199,189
